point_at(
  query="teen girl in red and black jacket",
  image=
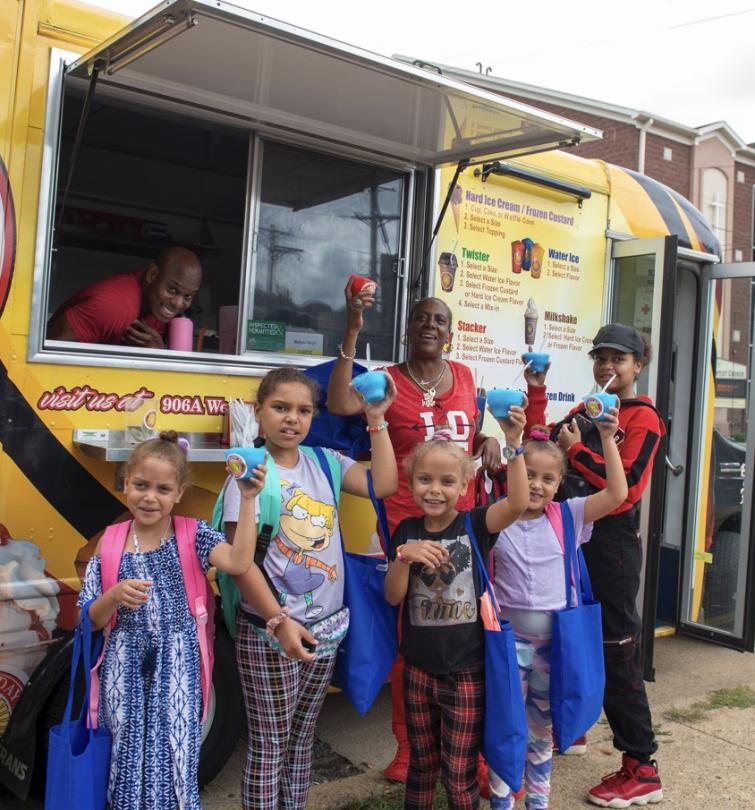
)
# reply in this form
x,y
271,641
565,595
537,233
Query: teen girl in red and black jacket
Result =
x,y
614,556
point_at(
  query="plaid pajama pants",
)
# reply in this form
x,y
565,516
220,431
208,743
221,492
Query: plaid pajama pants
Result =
x,y
444,716
283,699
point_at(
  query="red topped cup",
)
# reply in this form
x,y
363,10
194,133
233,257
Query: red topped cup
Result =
x,y
361,287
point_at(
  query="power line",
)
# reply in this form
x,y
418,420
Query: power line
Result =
x,y
709,19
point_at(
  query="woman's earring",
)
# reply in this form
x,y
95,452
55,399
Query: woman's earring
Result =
x,y
447,348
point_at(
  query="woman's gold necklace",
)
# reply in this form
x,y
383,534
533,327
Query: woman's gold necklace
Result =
x,y
427,386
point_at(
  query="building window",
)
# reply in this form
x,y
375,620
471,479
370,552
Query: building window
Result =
x,y
740,176
667,153
714,204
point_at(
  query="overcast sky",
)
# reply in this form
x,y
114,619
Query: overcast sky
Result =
x,y
686,60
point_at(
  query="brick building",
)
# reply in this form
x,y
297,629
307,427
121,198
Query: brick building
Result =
x,y
710,165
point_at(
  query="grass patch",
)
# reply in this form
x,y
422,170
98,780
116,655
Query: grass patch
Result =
x,y
392,798
741,697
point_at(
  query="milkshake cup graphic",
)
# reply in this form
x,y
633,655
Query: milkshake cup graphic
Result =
x,y
530,323
538,251
517,253
456,199
447,264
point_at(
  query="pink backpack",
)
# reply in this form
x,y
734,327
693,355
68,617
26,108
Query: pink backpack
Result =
x,y
198,593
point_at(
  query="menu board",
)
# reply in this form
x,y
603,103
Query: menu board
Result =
x,y
522,270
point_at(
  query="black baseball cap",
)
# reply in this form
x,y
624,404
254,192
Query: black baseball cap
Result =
x,y
619,336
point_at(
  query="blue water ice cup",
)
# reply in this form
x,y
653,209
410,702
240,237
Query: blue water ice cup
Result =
x,y
501,399
371,385
538,361
597,405
241,461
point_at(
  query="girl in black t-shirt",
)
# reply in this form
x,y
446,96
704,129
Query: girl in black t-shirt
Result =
x,y
432,572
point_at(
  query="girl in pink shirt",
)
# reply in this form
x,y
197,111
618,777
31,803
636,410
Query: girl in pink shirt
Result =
x,y
529,582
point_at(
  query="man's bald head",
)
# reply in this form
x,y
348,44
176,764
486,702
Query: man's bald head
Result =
x,y
171,282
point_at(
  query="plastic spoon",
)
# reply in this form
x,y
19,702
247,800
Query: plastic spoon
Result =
x,y
369,358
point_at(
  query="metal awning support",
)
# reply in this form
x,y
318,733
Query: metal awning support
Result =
x,y
96,67
416,283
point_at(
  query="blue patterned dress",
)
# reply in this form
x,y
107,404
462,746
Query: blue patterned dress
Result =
x,y
150,683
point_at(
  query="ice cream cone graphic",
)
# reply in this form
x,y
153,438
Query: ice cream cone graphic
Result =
x,y
456,200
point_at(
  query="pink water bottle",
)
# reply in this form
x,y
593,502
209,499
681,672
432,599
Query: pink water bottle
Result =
x,y
180,334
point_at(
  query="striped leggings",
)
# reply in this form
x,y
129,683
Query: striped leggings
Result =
x,y
283,699
533,655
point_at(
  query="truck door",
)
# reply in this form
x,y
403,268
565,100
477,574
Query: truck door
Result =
x,y
644,293
718,571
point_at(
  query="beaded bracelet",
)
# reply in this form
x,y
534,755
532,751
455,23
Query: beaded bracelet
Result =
x,y
377,428
274,621
400,557
345,356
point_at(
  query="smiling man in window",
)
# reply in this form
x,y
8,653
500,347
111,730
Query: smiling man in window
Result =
x,y
133,308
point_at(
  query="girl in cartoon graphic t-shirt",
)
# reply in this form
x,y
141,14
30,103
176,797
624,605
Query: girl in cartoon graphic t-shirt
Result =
x,y
292,615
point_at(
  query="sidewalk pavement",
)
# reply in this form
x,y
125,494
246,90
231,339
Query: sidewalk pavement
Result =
x,y
706,757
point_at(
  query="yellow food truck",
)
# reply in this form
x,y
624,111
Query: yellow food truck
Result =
x,y
286,161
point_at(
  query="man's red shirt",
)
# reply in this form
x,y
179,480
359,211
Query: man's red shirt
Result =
x,y
101,312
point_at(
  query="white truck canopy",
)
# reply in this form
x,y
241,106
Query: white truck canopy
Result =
x,y
224,60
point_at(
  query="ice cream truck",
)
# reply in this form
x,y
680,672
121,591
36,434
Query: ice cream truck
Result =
x,y
286,161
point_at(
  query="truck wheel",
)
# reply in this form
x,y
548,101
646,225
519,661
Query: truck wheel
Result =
x,y
225,716
720,584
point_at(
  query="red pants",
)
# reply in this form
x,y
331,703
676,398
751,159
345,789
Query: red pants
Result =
x,y
445,714
398,718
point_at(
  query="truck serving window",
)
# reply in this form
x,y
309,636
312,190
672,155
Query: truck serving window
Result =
x,y
276,242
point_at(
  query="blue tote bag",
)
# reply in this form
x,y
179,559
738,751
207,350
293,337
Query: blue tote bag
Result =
x,y
78,760
504,740
578,677
369,648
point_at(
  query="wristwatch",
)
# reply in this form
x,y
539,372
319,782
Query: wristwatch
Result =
x,y
511,452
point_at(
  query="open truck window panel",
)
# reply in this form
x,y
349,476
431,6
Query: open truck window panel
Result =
x,y
147,179
320,219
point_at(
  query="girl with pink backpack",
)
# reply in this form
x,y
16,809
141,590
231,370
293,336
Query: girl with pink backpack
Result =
x,y
147,588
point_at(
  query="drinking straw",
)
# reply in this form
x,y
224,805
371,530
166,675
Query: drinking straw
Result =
x,y
602,390
520,372
369,358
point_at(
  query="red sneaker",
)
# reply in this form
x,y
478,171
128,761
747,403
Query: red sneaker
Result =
x,y
634,783
398,768
578,748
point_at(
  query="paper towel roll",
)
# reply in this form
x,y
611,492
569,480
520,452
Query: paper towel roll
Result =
x,y
180,334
